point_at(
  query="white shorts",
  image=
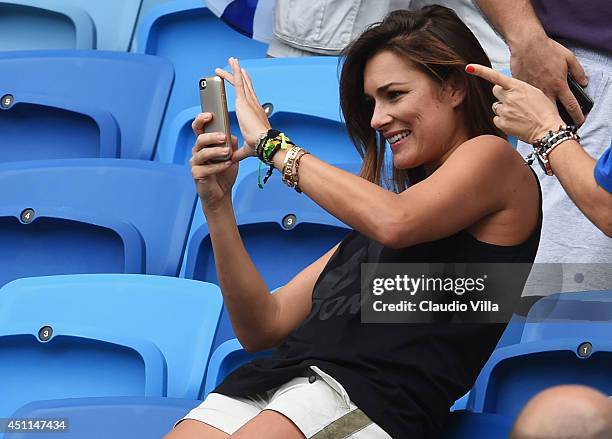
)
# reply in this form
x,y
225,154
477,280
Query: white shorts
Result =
x,y
316,403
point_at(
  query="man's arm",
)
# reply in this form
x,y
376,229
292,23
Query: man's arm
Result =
x,y
516,21
535,58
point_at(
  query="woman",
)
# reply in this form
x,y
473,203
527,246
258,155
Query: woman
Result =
x,y
461,194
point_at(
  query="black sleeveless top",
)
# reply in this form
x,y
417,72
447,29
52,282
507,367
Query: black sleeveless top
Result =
x,y
405,376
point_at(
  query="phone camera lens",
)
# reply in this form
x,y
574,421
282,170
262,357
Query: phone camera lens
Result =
x,y
203,83
268,108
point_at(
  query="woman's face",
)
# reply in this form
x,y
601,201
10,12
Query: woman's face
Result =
x,y
419,119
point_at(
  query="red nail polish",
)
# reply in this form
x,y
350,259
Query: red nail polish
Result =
x,y
470,69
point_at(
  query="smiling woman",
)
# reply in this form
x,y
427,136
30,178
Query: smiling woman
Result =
x,y
408,109
459,194
428,51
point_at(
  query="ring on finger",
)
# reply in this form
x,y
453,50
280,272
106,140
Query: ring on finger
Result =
x,y
494,106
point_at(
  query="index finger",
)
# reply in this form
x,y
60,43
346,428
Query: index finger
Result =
x,y
493,76
238,80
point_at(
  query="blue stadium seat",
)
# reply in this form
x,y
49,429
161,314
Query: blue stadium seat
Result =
x,y
67,24
110,335
196,41
133,88
115,21
40,24
69,129
467,425
303,97
145,7
109,417
93,216
227,357
566,339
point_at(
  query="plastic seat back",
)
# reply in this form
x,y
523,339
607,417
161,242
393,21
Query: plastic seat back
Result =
x,y
39,25
71,130
466,425
104,335
130,87
565,340
132,417
115,21
227,357
67,24
93,216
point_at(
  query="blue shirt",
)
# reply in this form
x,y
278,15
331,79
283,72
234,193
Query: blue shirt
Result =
x,y
603,170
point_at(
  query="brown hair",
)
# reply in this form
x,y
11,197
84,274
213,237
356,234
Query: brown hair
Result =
x,y
440,44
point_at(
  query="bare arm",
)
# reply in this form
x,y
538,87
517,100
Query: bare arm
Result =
x,y
413,216
574,168
260,319
516,21
535,58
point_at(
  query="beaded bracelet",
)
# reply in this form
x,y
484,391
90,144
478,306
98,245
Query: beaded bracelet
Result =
x,y
544,146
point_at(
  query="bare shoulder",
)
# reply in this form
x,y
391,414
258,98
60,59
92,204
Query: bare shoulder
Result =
x,y
487,146
495,171
491,155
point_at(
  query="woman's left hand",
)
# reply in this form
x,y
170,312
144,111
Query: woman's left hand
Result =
x,y
251,116
522,111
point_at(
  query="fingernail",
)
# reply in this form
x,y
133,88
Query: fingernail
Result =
x,y
221,137
470,69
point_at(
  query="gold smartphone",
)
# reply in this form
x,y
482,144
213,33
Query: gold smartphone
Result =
x,y
213,100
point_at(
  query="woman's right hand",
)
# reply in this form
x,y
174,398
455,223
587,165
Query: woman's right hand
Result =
x,y
211,164
522,111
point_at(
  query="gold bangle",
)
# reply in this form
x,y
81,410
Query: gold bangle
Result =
x,y
296,176
288,165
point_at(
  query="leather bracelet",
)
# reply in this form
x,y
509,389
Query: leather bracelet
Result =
x,y
263,138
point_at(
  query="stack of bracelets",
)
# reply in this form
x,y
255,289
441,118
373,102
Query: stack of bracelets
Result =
x,y
268,145
543,147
